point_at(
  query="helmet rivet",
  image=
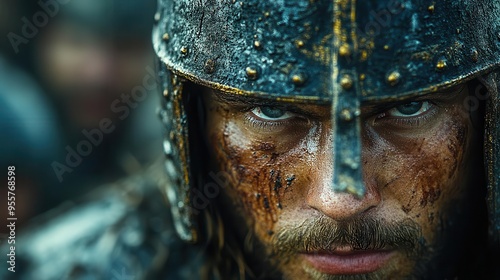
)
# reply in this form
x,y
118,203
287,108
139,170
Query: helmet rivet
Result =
x,y
209,66
167,147
299,79
184,51
346,115
346,82
165,37
166,93
362,77
252,72
344,50
364,55
474,55
266,14
441,65
169,166
257,44
157,17
431,9
393,78
386,47
299,43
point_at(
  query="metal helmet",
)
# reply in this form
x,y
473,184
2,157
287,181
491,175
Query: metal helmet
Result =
x,y
340,52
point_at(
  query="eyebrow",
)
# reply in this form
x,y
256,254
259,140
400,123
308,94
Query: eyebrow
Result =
x,y
252,101
245,99
445,95
372,106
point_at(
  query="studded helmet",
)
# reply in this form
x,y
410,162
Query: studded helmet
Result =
x,y
340,52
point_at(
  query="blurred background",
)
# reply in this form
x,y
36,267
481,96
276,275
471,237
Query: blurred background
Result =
x,y
78,98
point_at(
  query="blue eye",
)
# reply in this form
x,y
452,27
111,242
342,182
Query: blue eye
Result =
x,y
410,109
269,113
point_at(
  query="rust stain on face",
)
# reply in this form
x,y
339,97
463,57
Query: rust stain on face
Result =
x,y
263,166
414,168
264,146
442,168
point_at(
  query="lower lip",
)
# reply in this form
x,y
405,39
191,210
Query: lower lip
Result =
x,y
357,262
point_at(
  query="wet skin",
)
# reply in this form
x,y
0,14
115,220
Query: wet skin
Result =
x,y
416,157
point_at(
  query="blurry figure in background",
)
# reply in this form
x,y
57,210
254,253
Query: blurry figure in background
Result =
x,y
89,58
9,19
30,138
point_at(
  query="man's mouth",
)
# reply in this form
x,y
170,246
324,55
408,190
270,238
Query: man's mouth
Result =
x,y
345,260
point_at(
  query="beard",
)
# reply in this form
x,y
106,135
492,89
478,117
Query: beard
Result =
x,y
324,235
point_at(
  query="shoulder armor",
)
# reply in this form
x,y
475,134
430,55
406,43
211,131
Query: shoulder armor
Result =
x,y
122,231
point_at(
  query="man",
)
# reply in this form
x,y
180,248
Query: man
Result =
x,y
345,132
312,140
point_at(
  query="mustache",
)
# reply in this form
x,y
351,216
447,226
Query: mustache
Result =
x,y
324,235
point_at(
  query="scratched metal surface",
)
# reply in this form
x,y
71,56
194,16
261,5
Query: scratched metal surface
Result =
x,y
292,48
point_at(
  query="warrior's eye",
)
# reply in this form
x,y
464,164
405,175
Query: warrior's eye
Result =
x,y
269,113
411,109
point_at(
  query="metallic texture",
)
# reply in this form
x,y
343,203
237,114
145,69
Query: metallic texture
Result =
x,y
252,72
177,165
299,79
492,156
297,35
350,51
393,78
346,82
344,50
347,173
119,231
441,65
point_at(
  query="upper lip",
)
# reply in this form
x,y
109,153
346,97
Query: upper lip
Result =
x,y
344,250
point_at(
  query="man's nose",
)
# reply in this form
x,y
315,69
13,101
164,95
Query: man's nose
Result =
x,y
338,205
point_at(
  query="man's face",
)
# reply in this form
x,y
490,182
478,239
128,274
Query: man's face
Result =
x,y
416,158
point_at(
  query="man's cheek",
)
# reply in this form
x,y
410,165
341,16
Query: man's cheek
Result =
x,y
433,181
259,188
260,181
